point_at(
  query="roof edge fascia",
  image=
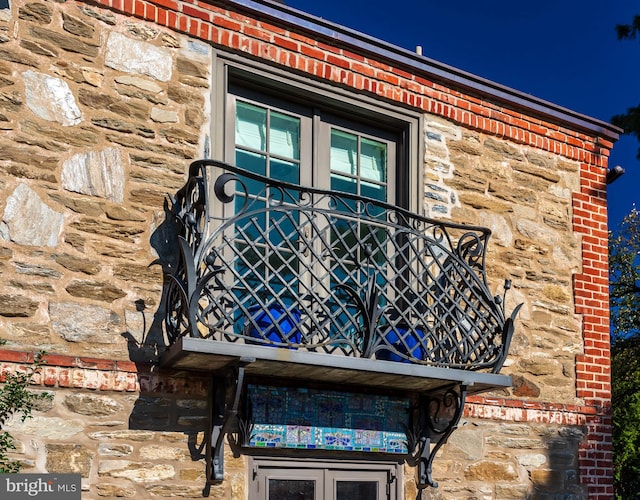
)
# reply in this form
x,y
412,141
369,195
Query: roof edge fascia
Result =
x,y
282,13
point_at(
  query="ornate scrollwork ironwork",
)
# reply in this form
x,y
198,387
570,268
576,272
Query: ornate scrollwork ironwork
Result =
x,y
435,418
270,263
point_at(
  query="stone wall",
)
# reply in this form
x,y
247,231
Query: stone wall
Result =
x,y
524,196
129,433
101,110
101,115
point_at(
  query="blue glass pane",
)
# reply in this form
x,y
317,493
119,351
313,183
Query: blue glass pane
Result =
x,y
251,125
284,135
284,229
251,228
284,271
375,191
249,269
254,163
376,239
251,161
344,240
344,152
344,184
285,171
373,160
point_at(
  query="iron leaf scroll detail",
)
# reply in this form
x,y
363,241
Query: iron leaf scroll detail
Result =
x,y
434,420
268,263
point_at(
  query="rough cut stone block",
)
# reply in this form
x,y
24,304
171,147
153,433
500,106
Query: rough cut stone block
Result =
x,y
115,490
135,57
84,323
69,459
125,435
157,452
92,405
28,221
532,460
36,12
17,306
140,472
184,491
96,173
140,83
491,471
96,290
47,427
51,99
115,450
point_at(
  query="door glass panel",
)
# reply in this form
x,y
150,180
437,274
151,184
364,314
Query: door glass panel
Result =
x,y
375,191
285,171
263,134
358,165
291,489
267,142
344,184
284,135
323,481
344,152
251,125
356,490
373,160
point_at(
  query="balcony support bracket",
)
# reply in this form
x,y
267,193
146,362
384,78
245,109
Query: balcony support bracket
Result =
x,y
436,418
224,404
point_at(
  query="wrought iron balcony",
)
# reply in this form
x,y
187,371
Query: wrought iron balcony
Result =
x,y
278,265
292,282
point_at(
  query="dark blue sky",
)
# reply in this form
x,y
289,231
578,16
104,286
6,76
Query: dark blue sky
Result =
x,y
563,51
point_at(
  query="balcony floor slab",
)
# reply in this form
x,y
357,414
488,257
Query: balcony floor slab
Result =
x,y
210,356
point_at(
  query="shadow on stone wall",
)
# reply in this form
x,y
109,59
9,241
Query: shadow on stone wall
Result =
x,y
153,343
559,477
168,402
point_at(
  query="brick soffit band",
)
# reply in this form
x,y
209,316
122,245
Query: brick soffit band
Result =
x,y
281,13
146,375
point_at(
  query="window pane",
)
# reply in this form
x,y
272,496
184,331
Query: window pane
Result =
x,y
251,126
285,171
375,191
356,490
291,489
284,136
344,152
344,184
253,162
373,160
251,229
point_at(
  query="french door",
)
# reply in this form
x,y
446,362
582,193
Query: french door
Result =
x,y
277,480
